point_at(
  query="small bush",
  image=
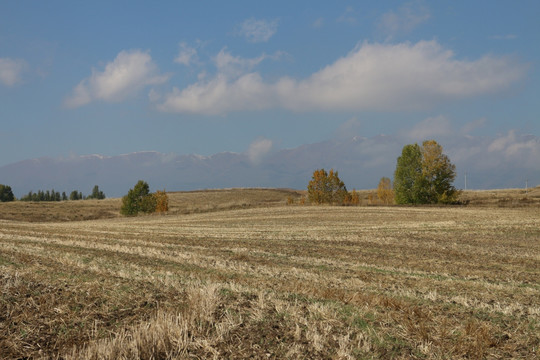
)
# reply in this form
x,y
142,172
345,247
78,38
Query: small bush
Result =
x,y
139,199
352,198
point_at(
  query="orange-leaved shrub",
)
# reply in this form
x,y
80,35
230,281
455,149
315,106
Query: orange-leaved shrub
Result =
x,y
352,198
162,201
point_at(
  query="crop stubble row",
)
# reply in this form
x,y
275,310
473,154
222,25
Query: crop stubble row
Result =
x,y
454,267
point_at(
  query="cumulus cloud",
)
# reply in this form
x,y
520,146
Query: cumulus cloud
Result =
x,y
372,77
498,156
430,128
258,150
218,96
257,31
129,72
187,55
11,70
405,19
233,66
517,148
234,87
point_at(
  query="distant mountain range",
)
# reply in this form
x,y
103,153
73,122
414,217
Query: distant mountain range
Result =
x,y
506,161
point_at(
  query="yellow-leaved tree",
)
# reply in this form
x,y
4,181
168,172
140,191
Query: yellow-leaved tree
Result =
x,y
385,193
326,188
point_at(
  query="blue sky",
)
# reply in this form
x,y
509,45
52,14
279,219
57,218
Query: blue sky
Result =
x,y
114,77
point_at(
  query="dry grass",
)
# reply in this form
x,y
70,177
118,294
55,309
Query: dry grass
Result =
x,y
60,211
179,203
274,282
503,198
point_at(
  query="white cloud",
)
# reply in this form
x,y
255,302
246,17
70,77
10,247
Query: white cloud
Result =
x,y
506,151
233,66
187,55
219,96
129,72
11,70
430,128
257,31
373,77
233,88
405,19
473,125
259,149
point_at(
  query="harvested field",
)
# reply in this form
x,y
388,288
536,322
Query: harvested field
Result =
x,y
503,198
184,202
275,282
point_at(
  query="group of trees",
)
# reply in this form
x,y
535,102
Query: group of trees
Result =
x,y
44,196
139,199
423,175
56,196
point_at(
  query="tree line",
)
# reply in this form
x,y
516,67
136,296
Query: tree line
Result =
x,y
6,194
423,175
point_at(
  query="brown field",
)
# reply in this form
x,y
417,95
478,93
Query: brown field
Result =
x,y
186,202
238,274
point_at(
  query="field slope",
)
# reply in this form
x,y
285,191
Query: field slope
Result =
x,y
275,282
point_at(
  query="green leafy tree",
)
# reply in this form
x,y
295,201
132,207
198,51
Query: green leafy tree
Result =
x,y
96,194
74,195
138,200
407,176
424,175
326,188
28,197
6,194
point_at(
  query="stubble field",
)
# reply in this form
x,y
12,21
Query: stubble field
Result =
x,y
275,282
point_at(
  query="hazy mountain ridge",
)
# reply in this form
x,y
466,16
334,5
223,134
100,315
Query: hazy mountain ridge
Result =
x,y
501,162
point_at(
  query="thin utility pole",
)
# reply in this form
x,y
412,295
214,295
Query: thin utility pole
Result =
x,y
526,186
465,181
